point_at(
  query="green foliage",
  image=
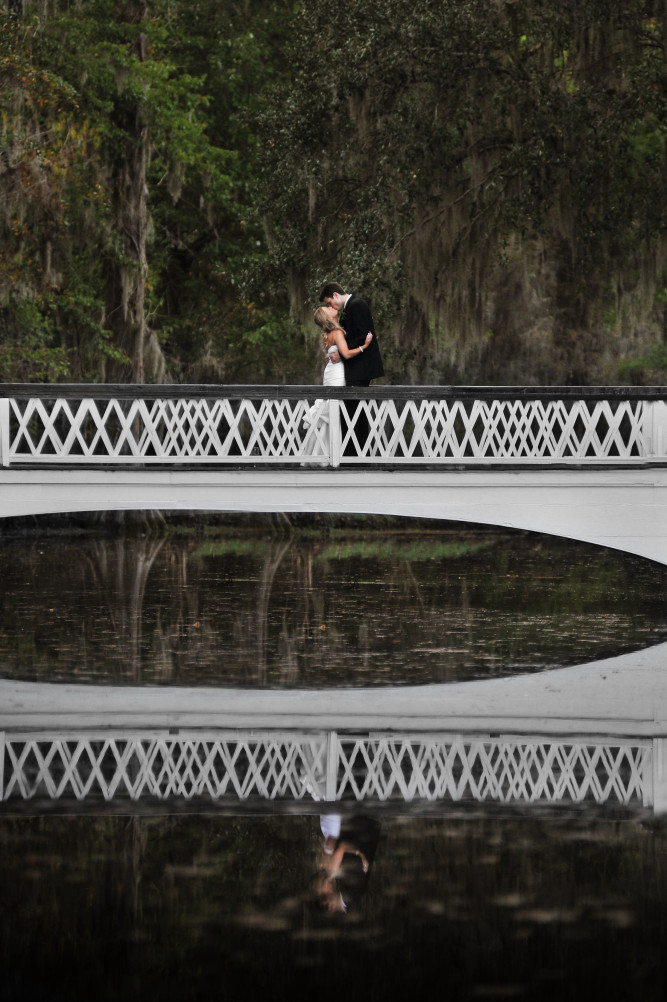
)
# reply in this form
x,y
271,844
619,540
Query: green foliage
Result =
x,y
200,300
455,128
78,78
27,349
651,367
418,151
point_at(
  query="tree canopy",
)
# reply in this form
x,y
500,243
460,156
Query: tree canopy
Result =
x,y
177,178
490,173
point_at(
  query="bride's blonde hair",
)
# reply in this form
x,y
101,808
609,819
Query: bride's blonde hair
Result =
x,y
323,320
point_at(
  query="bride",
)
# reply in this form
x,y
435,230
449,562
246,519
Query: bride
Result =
x,y
335,345
335,348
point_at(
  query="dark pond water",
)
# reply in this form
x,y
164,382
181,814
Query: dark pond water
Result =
x,y
187,906
199,908
316,607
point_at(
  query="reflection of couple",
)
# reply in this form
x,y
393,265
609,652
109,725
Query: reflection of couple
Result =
x,y
344,861
348,338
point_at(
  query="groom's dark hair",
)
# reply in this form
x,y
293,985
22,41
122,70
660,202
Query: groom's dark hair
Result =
x,y
327,291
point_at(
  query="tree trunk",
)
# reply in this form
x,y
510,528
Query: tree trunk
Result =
x,y
127,267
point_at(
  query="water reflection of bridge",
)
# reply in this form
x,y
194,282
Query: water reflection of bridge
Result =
x,y
238,766
591,735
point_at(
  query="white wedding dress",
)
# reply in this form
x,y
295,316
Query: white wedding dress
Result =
x,y
334,372
317,419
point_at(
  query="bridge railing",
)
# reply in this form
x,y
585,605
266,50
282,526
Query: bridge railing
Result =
x,y
311,425
327,766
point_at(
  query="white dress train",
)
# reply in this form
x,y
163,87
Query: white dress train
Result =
x,y
317,418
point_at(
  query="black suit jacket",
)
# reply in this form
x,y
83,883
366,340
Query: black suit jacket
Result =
x,y
356,321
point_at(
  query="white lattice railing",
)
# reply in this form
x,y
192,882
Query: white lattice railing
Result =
x,y
326,767
325,426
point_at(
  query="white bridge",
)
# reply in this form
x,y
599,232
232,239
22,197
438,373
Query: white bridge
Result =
x,y
584,463
587,463
592,736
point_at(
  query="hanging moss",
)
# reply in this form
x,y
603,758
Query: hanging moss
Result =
x,y
487,174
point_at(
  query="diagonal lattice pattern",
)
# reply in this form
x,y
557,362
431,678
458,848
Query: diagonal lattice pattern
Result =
x,y
500,430
504,770
158,431
286,430
326,766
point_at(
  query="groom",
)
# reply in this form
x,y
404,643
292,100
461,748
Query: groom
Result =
x,y
355,318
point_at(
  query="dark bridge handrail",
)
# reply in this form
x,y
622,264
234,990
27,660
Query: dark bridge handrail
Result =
x,y
175,391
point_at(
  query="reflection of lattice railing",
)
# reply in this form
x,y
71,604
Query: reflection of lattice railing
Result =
x,y
326,767
259,425
497,769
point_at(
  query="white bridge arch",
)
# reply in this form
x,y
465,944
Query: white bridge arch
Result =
x,y
590,735
587,463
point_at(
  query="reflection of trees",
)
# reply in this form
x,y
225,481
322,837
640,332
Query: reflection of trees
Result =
x,y
128,845
273,556
121,570
184,632
301,610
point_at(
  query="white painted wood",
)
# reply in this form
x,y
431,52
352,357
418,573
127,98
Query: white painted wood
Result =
x,y
333,751
272,430
658,791
655,427
334,433
5,458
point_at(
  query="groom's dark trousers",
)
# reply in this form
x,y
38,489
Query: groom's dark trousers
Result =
x,y
356,320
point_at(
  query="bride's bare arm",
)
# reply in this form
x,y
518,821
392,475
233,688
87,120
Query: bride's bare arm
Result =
x,y
340,342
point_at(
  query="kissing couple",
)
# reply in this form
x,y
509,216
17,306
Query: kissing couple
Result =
x,y
348,338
